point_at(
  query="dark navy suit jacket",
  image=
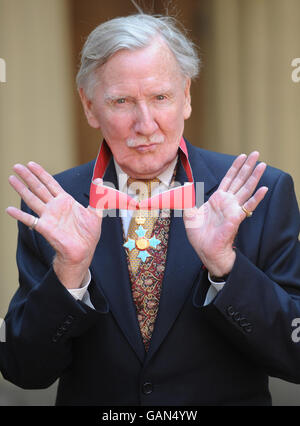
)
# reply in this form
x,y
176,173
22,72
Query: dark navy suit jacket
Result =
x,y
220,354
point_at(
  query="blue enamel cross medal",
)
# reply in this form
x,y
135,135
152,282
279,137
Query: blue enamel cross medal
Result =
x,y
142,243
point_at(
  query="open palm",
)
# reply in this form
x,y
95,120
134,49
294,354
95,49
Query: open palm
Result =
x,y
211,229
71,229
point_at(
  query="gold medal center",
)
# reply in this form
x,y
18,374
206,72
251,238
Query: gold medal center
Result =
x,y
142,244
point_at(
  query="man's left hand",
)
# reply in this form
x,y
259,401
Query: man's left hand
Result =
x,y
211,229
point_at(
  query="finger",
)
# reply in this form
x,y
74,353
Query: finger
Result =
x,y
21,216
232,172
244,172
250,185
254,201
51,184
30,199
33,183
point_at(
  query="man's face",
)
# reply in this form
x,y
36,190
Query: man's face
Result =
x,y
140,103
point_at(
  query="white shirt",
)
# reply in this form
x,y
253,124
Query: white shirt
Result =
x,y
165,178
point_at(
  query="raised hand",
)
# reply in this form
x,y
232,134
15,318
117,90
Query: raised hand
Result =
x,y
211,229
71,229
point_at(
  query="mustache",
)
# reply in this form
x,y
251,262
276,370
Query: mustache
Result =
x,y
143,140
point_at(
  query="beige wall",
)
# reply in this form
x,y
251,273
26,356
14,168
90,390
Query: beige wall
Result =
x,y
251,100
36,106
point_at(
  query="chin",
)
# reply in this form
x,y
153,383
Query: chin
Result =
x,y
146,165
140,164
146,171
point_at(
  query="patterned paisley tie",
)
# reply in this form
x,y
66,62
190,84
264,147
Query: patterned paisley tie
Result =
x,y
146,277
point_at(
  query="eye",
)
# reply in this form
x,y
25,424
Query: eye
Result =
x,y
121,101
160,97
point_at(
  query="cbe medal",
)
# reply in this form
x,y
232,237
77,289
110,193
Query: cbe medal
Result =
x,y
142,243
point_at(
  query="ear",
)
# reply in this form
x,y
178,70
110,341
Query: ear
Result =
x,y
187,102
88,109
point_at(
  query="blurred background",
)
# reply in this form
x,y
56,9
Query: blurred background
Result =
x,y
244,99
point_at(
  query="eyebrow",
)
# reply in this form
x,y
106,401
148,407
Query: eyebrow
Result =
x,y
112,98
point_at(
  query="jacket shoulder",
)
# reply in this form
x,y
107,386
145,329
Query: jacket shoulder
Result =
x,y
219,163
76,179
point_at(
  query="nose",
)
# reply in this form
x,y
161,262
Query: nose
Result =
x,y
145,123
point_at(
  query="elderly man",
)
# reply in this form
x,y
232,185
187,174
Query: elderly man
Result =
x,y
149,307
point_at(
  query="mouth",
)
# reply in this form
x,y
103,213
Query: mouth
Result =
x,y
146,148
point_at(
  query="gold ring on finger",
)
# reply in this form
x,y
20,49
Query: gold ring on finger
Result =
x,y
247,212
36,219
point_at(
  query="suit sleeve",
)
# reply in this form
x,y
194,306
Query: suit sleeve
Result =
x,y
42,319
257,308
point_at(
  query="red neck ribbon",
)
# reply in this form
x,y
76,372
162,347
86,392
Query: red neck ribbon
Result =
x,y
103,197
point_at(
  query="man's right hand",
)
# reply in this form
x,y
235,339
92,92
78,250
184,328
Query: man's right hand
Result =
x,y
71,229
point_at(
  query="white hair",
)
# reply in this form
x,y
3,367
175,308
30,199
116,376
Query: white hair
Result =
x,y
134,32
